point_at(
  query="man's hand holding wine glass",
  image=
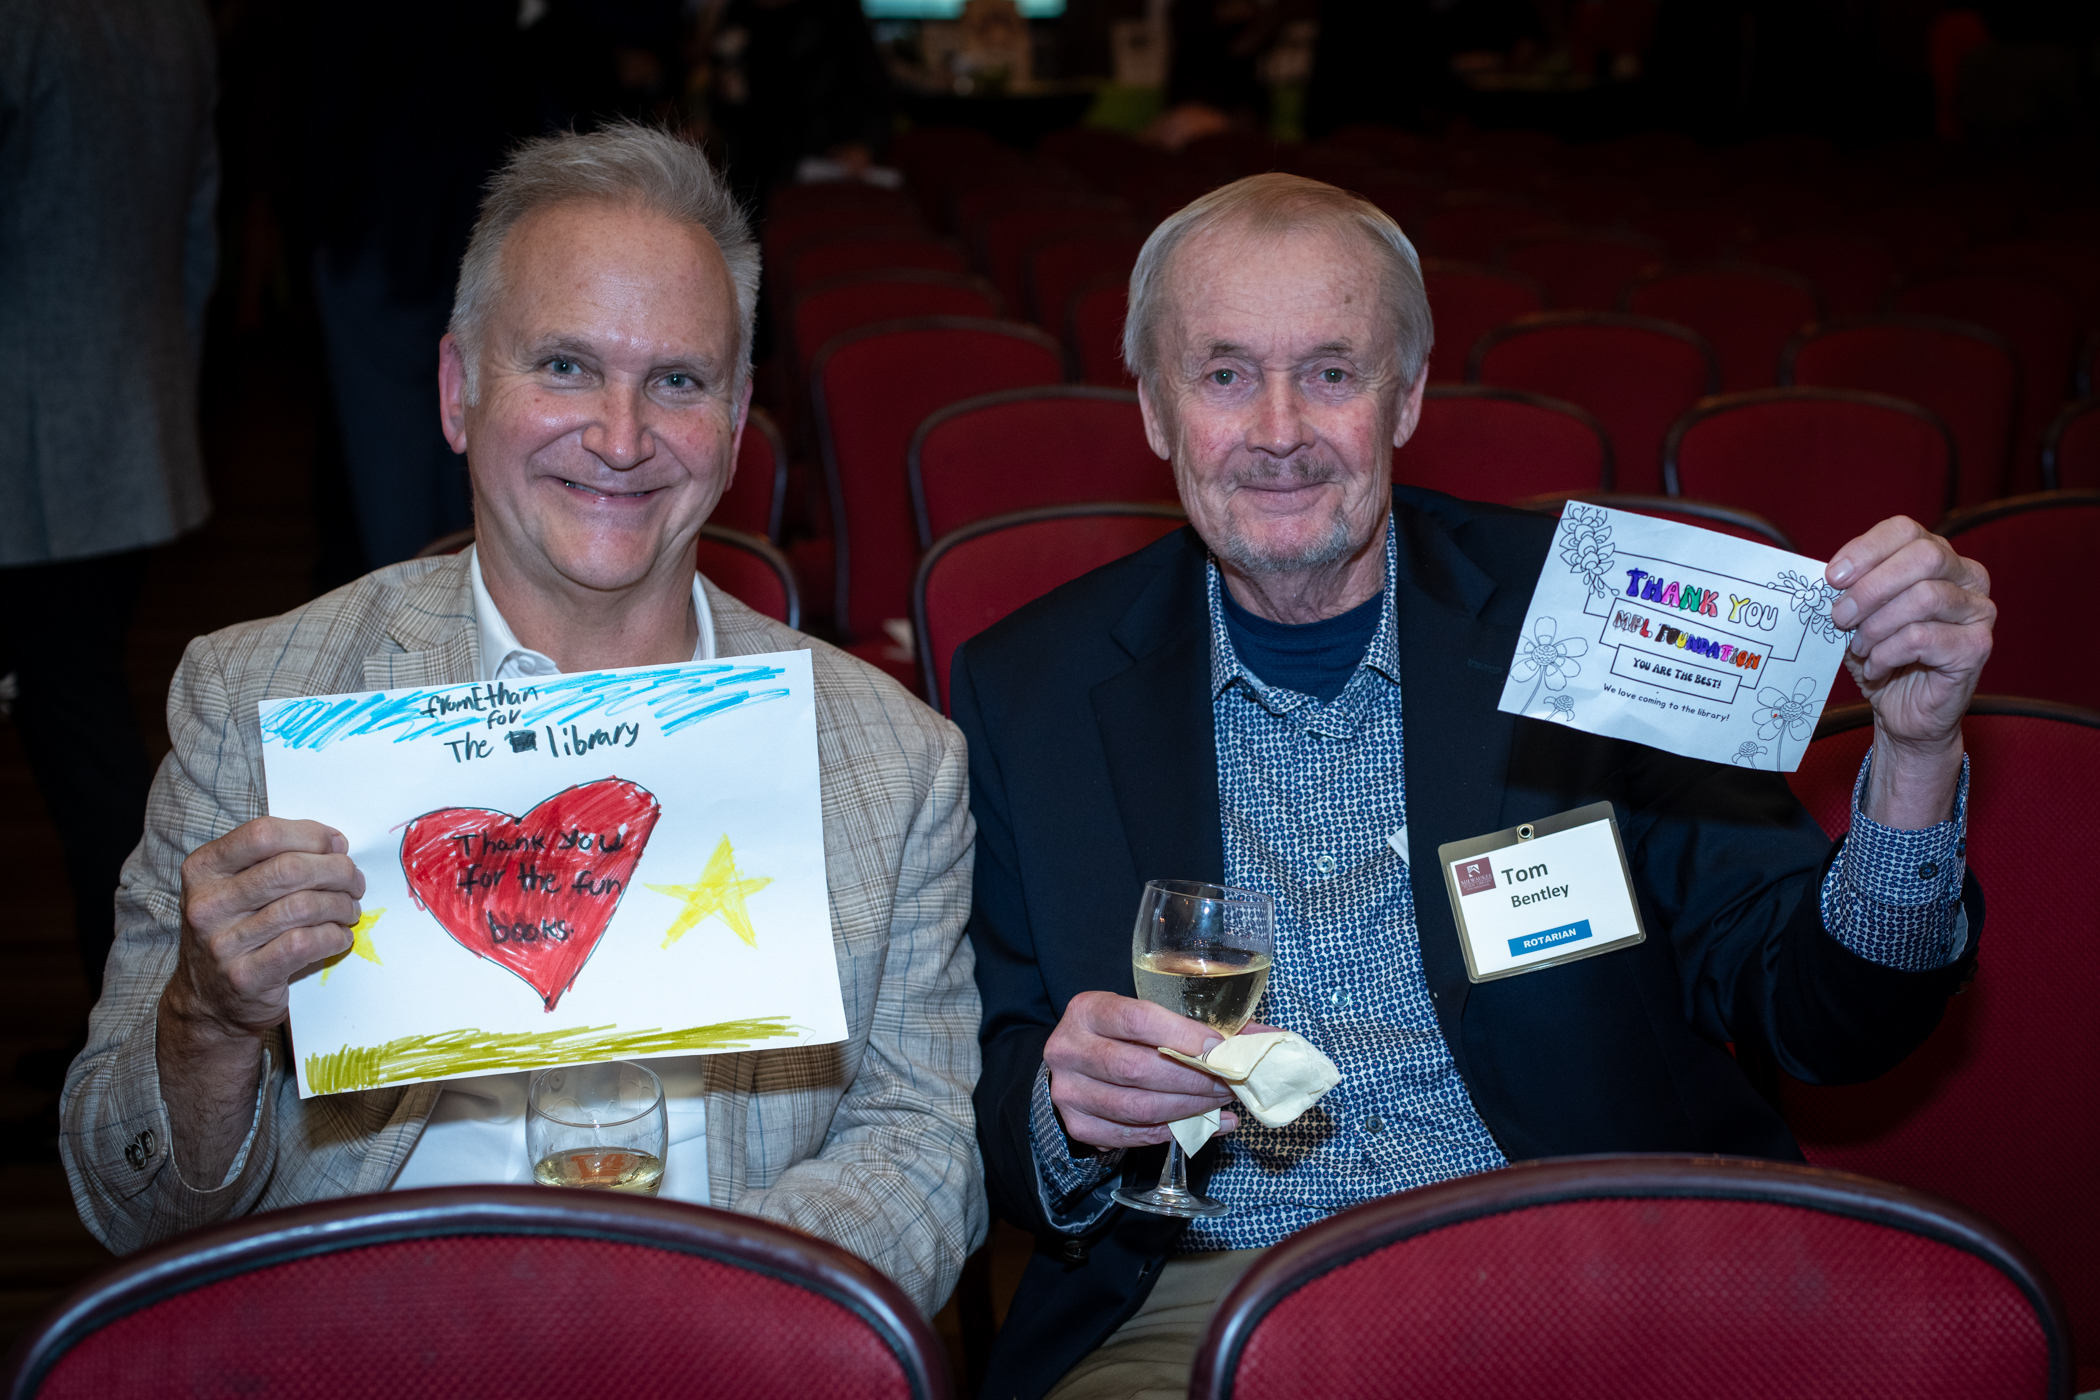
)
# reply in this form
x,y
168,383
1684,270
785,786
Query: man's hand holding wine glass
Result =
x,y
1111,1085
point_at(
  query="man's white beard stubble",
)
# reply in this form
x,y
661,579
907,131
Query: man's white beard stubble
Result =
x,y
1247,558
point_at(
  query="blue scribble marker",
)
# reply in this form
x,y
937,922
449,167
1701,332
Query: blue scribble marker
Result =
x,y
678,696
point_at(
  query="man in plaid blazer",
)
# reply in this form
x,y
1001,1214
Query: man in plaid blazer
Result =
x,y
596,376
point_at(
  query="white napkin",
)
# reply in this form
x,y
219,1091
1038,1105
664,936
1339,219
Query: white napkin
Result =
x,y
1276,1075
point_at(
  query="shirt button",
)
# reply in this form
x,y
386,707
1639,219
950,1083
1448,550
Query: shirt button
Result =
x,y
1374,1124
1928,870
1324,864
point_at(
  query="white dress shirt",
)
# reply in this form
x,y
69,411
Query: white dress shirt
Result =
x,y
476,1134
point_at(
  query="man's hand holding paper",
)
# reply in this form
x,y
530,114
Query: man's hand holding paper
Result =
x,y
1921,617
1725,649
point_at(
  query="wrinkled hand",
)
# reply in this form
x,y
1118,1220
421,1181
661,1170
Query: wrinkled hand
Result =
x,y
1111,1085
1924,616
263,901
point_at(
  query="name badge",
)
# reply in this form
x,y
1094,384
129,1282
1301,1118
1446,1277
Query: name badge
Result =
x,y
1541,894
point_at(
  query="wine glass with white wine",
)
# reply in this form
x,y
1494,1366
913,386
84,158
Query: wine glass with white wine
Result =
x,y
1201,951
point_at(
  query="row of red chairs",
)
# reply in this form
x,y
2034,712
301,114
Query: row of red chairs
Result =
x,y
1751,328
1594,1277
1647,384
1973,1275
1996,413
1046,444
2033,547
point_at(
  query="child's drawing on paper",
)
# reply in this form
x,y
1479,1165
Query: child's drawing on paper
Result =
x,y
507,825
532,894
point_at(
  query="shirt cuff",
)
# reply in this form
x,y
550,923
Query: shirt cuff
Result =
x,y
1073,1191
1894,897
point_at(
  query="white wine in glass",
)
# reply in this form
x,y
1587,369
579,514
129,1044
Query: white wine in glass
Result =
x,y
599,1126
1201,951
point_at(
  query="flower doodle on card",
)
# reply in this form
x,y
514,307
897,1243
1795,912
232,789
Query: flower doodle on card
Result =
x,y
1585,545
1782,716
1549,658
1812,601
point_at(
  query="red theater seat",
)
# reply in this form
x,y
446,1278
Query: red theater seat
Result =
x,y
1489,444
2037,321
1747,313
758,491
977,575
2071,448
1061,263
1868,457
1094,332
1706,515
526,1292
1018,449
2069,265
827,310
1965,374
1635,374
1005,240
1695,232
1466,301
750,570
873,387
1581,270
1472,224
2039,550
1851,271
842,255
2000,1109
1639,1278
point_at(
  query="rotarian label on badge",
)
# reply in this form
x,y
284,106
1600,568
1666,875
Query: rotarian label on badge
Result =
x,y
1551,938
1475,876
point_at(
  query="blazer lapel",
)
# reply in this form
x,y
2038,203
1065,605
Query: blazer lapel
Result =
x,y
1156,731
1451,670
431,636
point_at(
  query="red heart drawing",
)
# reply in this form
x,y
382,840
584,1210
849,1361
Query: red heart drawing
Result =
x,y
532,893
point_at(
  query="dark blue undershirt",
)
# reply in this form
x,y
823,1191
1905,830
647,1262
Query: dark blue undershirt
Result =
x,y
1312,658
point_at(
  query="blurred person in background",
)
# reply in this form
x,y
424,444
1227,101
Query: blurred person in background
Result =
x,y
108,180
794,79
409,107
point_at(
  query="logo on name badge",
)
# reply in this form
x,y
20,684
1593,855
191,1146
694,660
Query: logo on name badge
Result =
x,y
1475,876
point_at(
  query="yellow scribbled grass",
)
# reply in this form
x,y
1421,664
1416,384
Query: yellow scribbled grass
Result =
x,y
471,1051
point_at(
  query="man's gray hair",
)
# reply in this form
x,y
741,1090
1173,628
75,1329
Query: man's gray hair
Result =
x,y
1275,204
623,163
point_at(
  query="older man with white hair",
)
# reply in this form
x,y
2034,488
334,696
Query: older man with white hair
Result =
x,y
1298,695
596,376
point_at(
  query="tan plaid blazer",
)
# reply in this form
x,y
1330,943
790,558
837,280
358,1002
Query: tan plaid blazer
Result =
x,y
870,1144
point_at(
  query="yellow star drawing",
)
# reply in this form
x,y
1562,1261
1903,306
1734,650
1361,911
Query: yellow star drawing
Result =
x,y
360,942
721,890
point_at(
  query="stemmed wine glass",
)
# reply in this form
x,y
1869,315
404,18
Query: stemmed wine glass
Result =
x,y
1201,951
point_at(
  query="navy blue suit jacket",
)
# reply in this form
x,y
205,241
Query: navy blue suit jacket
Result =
x,y
1093,768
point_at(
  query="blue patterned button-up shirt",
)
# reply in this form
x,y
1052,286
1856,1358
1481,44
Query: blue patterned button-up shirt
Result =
x,y
1313,802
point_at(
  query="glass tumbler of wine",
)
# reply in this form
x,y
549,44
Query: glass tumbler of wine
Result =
x,y
599,1126
1201,951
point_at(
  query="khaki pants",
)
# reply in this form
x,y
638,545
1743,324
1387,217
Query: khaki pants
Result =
x,y
1150,1356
